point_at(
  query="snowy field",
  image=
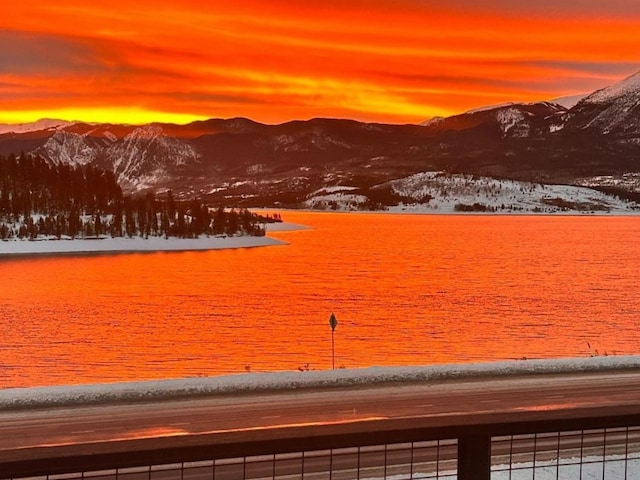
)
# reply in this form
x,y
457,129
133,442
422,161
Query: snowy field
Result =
x,y
282,381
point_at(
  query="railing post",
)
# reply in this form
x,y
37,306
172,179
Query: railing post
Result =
x,y
474,457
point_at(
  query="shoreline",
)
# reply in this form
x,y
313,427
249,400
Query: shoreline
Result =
x,y
435,212
12,249
16,248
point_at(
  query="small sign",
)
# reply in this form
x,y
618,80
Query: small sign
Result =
x,y
333,321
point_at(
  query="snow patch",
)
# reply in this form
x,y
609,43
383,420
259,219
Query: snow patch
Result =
x,y
337,197
256,169
333,189
509,118
432,121
110,136
629,182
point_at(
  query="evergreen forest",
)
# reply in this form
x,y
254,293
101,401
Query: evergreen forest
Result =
x,y
43,200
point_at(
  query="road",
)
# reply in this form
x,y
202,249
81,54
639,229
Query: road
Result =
x,y
24,432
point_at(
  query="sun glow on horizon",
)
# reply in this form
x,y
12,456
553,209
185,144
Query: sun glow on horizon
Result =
x,y
126,115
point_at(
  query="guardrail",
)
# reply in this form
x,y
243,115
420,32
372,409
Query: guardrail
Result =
x,y
558,444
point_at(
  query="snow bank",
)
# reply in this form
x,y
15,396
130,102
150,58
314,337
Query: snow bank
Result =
x,y
19,398
128,245
285,227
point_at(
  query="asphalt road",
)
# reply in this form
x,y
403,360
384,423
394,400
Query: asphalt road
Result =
x,y
23,432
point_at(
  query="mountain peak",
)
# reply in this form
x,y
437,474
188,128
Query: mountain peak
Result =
x,y
628,86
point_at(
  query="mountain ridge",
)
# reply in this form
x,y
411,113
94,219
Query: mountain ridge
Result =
x,y
245,161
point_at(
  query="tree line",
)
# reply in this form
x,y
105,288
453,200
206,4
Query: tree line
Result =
x,y
40,199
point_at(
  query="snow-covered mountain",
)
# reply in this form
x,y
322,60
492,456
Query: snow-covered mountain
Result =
x,y
614,110
627,88
509,120
142,157
69,148
146,157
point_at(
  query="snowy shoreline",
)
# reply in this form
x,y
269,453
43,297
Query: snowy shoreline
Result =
x,y
18,248
42,247
260,383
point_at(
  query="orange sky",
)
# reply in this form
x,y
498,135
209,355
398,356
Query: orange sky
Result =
x,y
397,61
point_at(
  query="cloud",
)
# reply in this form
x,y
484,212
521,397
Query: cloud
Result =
x,y
609,69
24,53
385,59
568,9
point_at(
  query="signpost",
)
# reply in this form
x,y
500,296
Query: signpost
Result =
x,y
333,321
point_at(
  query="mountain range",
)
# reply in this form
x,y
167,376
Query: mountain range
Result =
x,y
595,142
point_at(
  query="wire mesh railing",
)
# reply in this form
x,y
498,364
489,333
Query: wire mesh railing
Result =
x,y
597,454
593,454
425,460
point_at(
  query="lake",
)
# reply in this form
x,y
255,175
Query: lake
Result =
x,y
406,290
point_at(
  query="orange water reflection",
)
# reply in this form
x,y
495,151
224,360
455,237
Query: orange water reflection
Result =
x,y
407,290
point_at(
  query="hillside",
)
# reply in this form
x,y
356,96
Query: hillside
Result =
x,y
441,192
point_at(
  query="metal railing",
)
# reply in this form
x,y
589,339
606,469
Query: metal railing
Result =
x,y
585,444
606,454
425,460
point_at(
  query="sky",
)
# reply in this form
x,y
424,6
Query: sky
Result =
x,y
391,61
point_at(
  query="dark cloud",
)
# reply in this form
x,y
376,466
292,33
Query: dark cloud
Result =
x,y
447,80
26,54
594,8
205,97
557,75
598,68
567,8
27,94
34,54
